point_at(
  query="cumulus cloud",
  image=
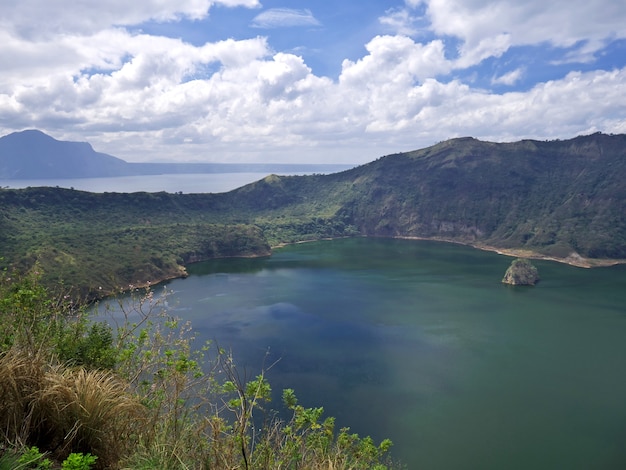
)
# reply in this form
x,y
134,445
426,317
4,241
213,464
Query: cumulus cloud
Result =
x,y
41,18
141,96
509,78
284,17
488,27
396,59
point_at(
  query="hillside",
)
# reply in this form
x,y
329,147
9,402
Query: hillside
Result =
x,y
554,198
551,197
560,199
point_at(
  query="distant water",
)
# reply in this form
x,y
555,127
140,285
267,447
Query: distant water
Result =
x,y
171,183
420,342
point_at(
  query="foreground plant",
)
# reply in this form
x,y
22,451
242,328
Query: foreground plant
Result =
x,y
136,392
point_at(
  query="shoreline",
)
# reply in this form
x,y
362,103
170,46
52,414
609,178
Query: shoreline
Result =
x,y
573,259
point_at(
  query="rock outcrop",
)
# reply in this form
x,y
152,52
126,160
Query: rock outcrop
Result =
x,y
521,273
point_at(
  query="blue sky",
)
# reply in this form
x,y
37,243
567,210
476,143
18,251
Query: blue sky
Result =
x,y
304,81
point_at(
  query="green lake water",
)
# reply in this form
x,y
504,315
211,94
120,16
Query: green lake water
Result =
x,y
420,342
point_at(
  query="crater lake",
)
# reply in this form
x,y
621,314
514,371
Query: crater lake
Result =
x,y
420,342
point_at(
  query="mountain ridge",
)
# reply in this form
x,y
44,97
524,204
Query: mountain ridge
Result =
x,y
34,154
558,198
562,200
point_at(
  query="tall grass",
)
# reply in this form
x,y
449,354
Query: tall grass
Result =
x,y
91,412
64,410
22,377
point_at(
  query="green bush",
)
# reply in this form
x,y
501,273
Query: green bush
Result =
x,y
32,458
79,461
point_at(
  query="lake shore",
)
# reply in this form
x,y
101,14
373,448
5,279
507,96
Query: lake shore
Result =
x,y
573,259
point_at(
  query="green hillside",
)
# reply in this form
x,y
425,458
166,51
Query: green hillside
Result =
x,y
551,197
557,198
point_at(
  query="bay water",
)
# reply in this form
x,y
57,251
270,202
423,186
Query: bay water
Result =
x,y
420,342
171,183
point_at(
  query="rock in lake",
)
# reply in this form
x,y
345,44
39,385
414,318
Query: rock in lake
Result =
x,y
521,273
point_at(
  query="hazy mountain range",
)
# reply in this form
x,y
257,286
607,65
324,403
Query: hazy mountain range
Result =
x,y
31,154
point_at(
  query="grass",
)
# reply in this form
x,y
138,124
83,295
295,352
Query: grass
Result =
x,y
90,411
22,377
64,409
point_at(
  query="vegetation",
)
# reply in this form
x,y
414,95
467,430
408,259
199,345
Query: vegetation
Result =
x,y
136,392
98,243
559,199
521,273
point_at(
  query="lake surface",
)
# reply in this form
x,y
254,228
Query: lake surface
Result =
x,y
171,183
420,342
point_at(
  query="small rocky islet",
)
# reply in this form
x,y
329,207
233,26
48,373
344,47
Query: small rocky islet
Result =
x,y
521,273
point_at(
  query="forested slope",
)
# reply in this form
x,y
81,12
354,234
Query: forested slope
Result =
x,y
552,197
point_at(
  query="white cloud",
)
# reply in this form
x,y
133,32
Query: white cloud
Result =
x,y
41,18
284,17
400,21
257,105
140,96
396,59
561,23
509,78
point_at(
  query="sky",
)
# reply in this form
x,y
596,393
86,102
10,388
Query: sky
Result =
x,y
305,81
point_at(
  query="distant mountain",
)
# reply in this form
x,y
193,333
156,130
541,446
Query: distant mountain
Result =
x,y
31,154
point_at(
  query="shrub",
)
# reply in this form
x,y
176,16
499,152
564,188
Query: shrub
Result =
x,y
79,461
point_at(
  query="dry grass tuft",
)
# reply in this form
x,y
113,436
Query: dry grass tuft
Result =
x,y
63,410
22,377
90,411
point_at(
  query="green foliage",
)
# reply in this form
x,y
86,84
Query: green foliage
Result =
x,y
8,461
31,317
553,198
32,458
25,309
99,243
79,461
308,441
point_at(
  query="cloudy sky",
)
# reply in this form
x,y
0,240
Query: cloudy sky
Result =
x,y
340,81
